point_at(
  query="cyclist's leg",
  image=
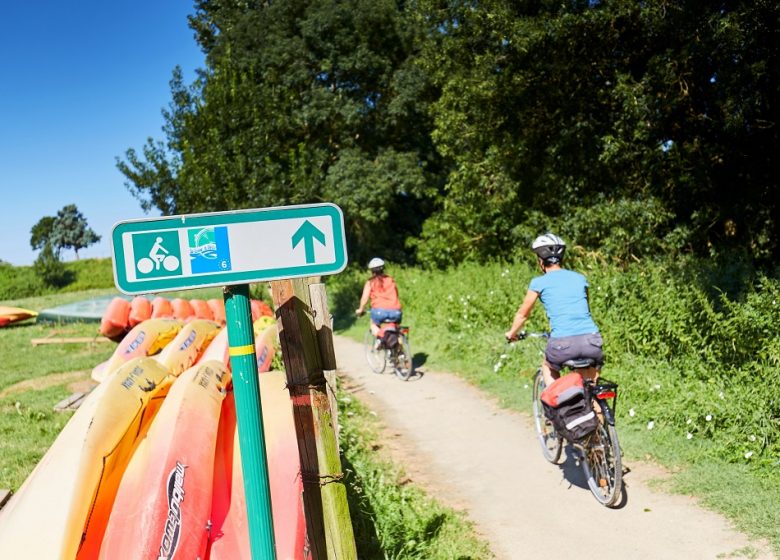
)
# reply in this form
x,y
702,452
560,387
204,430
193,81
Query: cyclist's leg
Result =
x,y
549,373
378,316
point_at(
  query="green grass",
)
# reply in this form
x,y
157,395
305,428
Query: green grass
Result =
x,y
29,427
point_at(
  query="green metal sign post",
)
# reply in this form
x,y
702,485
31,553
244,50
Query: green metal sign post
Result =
x,y
232,249
246,390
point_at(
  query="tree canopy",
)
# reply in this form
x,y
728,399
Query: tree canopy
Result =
x,y
459,130
67,230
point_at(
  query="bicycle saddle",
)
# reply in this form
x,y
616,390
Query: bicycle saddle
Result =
x,y
580,363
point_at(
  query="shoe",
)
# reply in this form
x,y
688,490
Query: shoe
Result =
x,y
377,345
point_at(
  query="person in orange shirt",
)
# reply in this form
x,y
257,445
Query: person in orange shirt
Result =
x,y
383,293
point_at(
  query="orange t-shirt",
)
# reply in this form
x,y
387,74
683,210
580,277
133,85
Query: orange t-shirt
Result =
x,y
384,293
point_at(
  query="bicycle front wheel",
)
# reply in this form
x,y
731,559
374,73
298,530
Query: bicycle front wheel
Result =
x,y
603,465
549,440
402,358
375,354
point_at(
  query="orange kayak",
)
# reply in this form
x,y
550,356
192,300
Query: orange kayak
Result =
x,y
163,505
115,320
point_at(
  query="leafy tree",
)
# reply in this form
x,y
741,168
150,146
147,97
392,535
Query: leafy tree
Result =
x,y
300,102
550,108
41,232
70,231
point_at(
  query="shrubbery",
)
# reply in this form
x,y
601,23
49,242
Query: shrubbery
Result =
x,y
694,352
48,276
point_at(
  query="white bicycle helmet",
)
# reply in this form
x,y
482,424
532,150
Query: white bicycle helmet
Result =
x,y
550,248
376,264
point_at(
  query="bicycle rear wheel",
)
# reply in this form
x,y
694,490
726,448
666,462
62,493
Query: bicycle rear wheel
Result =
x,y
402,358
603,465
375,354
549,440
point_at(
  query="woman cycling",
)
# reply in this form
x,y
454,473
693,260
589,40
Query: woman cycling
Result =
x,y
564,295
383,293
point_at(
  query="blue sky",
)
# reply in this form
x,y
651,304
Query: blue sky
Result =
x,y
80,83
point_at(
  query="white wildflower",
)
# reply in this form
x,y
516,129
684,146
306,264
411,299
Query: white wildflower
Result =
x,y
748,455
503,356
721,395
632,413
752,438
650,425
708,418
525,386
689,435
657,387
689,421
496,367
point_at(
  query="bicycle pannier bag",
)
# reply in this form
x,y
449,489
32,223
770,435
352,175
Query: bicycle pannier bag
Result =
x,y
390,338
567,406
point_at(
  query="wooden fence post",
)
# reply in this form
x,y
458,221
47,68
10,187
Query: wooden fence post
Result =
x,y
328,522
323,324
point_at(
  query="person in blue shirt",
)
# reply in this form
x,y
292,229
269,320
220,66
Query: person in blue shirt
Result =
x,y
564,295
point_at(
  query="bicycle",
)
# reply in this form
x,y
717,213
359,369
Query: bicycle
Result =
x,y
600,454
399,354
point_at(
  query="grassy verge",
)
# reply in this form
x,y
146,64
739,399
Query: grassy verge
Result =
x,y
393,520
32,381
692,399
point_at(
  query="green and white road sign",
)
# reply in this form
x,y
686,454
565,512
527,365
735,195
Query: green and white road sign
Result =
x,y
225,248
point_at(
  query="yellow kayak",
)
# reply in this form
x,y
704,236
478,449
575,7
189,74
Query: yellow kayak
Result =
x,y
10,315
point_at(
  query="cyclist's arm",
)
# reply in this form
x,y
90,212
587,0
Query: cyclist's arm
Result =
x,y
523,313
364,298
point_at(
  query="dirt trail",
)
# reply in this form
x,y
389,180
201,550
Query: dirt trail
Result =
x,y
484,460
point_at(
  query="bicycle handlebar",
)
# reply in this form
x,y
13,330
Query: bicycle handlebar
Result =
x,y
523,335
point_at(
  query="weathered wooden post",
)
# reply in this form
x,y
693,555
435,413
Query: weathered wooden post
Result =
x,y
325,499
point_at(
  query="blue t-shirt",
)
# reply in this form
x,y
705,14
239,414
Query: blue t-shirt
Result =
x,y
566,302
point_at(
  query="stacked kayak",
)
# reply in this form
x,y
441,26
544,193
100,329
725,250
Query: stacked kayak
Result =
x,y
149,466
121,315
10,315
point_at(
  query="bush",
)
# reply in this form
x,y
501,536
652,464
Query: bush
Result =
x,y
17,282
50,269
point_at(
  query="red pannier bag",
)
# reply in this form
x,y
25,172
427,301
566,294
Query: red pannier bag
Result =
x,y
567,405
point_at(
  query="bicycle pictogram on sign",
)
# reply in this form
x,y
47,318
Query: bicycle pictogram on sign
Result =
x,y
157,254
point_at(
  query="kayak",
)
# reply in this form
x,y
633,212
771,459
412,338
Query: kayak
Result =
x,y
10,315
229,537
101,488
42,500
163,504
184,350
130,401
145,339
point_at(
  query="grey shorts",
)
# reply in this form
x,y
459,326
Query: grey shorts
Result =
x,y
580,346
